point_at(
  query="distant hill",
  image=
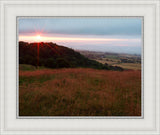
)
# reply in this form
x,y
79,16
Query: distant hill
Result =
x,y
55,56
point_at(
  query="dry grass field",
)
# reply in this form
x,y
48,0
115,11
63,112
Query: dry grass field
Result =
x,y
127,66
79,92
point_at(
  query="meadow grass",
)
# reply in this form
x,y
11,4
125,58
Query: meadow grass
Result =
x,y
79,92
126,66
130,66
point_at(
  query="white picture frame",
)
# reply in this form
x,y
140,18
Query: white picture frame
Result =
x,y
148,124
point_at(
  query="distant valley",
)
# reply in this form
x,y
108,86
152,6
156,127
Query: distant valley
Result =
x,y
126,61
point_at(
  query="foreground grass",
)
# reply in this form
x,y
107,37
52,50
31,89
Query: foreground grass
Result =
x,y
79,92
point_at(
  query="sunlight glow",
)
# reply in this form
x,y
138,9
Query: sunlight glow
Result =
x,y
39,38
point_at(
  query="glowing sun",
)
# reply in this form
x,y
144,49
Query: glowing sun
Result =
x,y
38,38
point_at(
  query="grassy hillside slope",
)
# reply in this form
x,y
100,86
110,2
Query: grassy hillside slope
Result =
x,y
55,56
79,92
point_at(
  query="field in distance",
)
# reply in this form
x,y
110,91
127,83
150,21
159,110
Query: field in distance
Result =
x,y
126,61
78,92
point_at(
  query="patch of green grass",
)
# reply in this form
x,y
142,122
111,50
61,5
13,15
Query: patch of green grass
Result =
x,y
39,79
25,67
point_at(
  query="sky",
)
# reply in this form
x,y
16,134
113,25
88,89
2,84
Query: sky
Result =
x,y
120,35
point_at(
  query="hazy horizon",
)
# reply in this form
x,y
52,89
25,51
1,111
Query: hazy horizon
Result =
x,y
86,49
118,35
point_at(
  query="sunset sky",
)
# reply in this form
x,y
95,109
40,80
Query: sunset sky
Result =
x,y
122,35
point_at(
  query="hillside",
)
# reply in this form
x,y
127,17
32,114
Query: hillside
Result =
x,y
55,56
79,92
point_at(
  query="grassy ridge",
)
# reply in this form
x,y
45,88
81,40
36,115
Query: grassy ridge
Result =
x,y
79,92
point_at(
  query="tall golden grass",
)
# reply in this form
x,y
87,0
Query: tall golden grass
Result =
x,y
79,92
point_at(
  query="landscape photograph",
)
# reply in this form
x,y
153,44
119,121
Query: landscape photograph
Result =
x,y
79,66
